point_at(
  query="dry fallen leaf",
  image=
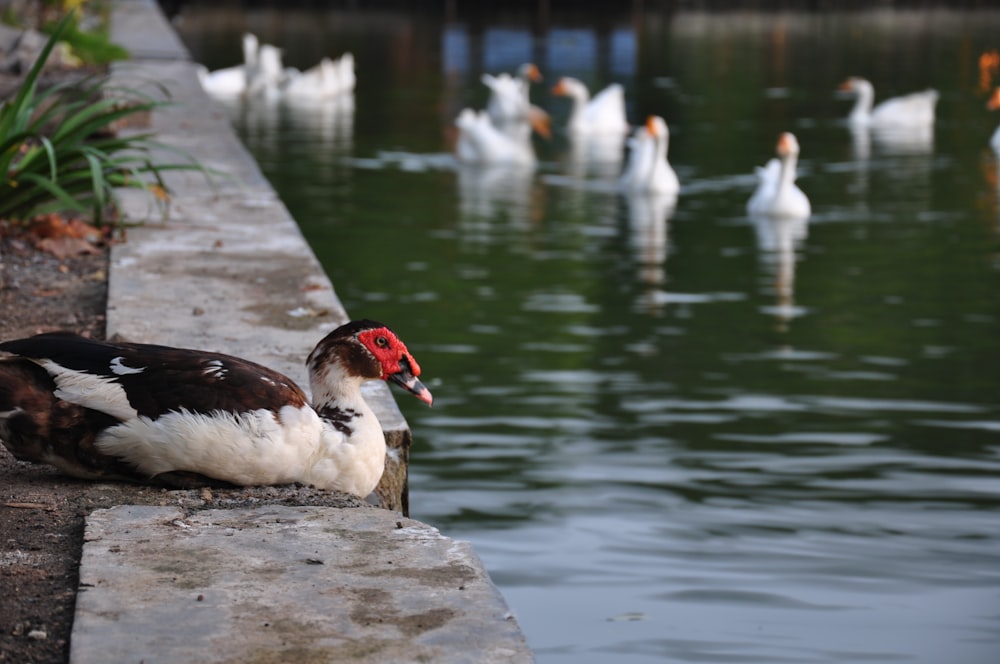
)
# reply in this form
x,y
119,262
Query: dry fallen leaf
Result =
x,y
56,226
66,247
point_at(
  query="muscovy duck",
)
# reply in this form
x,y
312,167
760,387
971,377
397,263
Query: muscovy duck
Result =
x,y
179,417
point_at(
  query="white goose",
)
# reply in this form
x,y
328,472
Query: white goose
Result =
x,y
767,181
509,101
481,142
993,104
779,196
264,79
912,110
326,80
231,81
647,169
602,114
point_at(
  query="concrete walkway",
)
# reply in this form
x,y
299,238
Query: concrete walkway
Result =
x,y
274,583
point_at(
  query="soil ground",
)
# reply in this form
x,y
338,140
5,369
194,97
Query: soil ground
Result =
x,y
41,512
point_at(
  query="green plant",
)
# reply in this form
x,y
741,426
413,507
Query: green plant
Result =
x,y
93,46
59,151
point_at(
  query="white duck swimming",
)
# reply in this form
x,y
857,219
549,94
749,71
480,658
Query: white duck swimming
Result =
x,y
481,142
510,96
912,110
263,81
602,114
648,169
326,80
101,410
777,195
231,81
767,180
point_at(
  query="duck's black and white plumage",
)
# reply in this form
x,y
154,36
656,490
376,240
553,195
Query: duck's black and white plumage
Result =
x,y
140,412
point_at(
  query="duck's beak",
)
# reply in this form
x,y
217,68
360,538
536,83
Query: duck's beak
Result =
x,y
559,88
407,380
533,74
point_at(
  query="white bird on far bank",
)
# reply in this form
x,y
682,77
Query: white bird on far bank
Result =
x,y
231,81
326,80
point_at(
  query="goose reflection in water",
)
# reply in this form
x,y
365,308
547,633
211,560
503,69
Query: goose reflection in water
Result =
x,y
891,140
328,121
503,192
597,156
900,158
779,240
649,215
326,124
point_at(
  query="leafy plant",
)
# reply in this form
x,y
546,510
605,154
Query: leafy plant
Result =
x,y
59,150
93,47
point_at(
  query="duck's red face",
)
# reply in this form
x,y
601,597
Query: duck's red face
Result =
x,y
398,365
388,349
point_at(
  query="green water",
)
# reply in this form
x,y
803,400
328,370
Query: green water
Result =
x,y
679,436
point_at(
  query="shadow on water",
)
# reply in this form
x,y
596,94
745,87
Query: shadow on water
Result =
x,y
676,433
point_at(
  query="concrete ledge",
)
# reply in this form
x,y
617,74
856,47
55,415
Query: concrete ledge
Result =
x,y
283,584
224,270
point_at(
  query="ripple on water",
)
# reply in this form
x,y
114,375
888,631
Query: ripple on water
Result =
x,y
822,437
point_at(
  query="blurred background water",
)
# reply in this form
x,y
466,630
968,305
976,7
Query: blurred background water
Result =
x,y
673,433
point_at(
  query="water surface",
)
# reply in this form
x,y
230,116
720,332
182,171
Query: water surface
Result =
x,y
674,433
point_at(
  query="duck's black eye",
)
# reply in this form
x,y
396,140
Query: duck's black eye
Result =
x,y
381,342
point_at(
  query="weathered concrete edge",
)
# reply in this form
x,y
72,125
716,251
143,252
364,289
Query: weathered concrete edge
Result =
x,y
282,583
242,280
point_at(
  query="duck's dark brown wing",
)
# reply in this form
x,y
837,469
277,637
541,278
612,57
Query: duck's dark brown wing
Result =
x,y
154,379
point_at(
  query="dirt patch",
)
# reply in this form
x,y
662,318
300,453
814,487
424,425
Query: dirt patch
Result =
x,y
41,512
